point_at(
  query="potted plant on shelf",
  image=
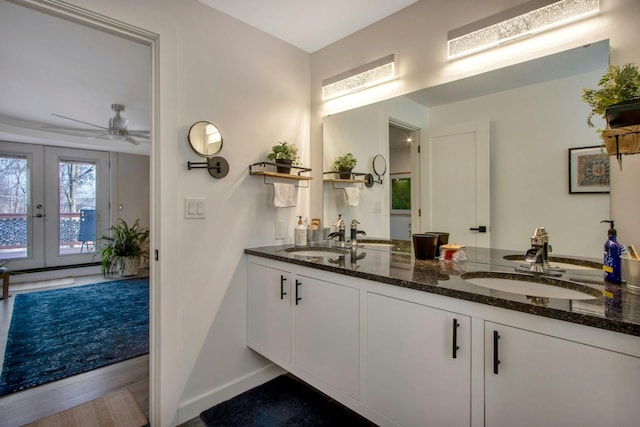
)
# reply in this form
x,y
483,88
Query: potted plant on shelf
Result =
x,y
344,165
617,101
124,249
284,155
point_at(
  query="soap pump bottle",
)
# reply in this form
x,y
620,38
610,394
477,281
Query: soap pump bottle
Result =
x,y
612,264
300,233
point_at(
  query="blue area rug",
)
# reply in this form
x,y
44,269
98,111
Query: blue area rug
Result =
x,y
58,333
283,401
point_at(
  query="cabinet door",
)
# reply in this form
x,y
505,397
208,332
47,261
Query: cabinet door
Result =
x,y
326,333
269,312
412,375
548,381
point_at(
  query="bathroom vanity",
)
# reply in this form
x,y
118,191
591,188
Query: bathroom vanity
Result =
x,y
415,342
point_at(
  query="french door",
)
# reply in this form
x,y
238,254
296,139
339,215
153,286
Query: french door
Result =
x,y
54,202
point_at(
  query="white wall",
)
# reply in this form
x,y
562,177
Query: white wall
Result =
x,y
532,129
365,133
417,37
131,201
256,90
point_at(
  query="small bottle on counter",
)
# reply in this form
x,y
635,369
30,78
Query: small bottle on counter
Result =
x,y
612,264
300,233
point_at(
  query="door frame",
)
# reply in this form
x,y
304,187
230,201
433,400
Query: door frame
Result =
x,y
104,23
416,223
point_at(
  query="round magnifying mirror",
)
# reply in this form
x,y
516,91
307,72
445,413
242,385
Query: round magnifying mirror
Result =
x,y
205,139
379,165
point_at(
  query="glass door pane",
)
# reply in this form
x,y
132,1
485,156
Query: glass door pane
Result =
x,y
77,207
14,199
77,202
22,214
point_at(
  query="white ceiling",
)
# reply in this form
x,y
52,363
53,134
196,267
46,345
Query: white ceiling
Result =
x,y
56,66
309,24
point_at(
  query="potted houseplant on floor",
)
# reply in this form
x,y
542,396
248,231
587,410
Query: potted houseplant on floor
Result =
x,y
124,248
284,155
344,165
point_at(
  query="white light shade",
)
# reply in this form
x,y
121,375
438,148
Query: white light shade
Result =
x,y
365,76
529,18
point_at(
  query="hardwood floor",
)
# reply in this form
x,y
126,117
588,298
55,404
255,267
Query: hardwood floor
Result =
x,y
29,405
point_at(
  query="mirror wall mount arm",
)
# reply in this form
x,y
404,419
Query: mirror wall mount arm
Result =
x,y
217,166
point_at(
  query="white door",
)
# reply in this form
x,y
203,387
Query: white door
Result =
x,y
455,183
54,202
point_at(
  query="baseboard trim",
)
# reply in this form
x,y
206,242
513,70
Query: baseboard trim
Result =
x,y
192,408
36,276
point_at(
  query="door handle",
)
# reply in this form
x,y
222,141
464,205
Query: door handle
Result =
x,y
456,325
496,359
282,292
298,297
37,215
479,229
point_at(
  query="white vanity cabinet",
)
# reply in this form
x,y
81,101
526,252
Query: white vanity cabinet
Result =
x,y
327,333
308,326
402,357
418,369
269,312
542,380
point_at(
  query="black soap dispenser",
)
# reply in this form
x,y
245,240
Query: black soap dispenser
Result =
x,y
612,264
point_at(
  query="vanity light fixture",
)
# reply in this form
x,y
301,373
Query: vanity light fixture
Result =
x,y
359,78
529,18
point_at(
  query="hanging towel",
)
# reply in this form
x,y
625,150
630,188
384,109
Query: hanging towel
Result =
x,y
284,195
352,194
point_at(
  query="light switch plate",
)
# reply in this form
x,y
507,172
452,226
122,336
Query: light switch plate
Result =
x,y
194,208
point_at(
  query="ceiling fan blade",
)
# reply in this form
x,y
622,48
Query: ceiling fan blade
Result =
x,y
139,135
101,136
79,121
132,140
69,128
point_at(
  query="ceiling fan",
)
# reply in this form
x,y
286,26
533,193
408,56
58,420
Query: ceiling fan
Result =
x,y
117,127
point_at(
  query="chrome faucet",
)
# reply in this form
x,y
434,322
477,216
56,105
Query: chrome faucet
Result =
x,y
355,232
340,233
538,255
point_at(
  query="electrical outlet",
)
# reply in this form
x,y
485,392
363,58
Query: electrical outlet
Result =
x,y
377,206
279,230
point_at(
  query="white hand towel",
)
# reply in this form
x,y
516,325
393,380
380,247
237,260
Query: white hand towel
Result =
x,y
284,195
352,194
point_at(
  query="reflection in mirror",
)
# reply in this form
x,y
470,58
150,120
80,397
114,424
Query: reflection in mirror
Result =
x,y
535,115
205,139
379,166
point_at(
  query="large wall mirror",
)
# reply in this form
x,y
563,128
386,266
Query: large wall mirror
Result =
x,y
533,115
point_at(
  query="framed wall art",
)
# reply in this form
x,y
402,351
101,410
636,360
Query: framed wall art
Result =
x,y
588,170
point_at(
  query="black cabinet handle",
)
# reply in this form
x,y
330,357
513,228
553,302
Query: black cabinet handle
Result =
x,y
298,297
456,325
282,292
480,229
496,359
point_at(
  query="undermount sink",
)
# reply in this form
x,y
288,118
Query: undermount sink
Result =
x,y
318,251
562,262
533,286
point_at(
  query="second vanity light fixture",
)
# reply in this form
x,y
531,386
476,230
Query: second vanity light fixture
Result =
x,y
529,18
362,77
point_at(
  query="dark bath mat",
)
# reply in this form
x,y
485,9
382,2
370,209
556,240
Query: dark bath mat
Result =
x,y
283,401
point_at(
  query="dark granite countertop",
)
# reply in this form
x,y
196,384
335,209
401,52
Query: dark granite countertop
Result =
x,y
613,307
